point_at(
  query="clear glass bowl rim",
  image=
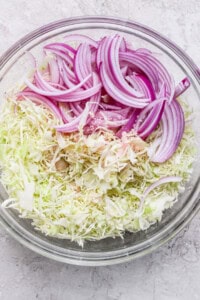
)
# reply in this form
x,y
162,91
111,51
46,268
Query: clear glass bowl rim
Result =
x,y
111,257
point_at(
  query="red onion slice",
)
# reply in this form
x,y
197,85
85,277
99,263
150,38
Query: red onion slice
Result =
x,y
76,108
163,180
113,60
65,56
81,38
130,124
83,64
108,107
54,71
151,121
172,131
50,91
85,116
78,95
182,87
149,118
139,65
65,112
61,47
115,92
142,84
153,69
75,123
68,80
124,70
41,100
163,74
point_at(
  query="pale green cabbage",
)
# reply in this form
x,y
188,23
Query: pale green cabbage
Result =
x,y
77,187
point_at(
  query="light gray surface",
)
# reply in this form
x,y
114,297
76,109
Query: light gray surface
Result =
x,y
173,271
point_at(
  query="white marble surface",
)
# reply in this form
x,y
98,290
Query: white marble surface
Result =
x,y
173,271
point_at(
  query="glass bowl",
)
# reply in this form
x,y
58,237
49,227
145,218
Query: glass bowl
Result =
x,y
13,65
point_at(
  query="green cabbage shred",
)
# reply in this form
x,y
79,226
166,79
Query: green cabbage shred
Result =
x,y
84,187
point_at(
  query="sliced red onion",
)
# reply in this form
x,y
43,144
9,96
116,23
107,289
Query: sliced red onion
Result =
x,y
68,60
83,64
164,76
101,50
105,57
41,83
76,108
147,86
163,180
108,107
41,100
142,84
68,80
36,80
113,60
124,70
85,116
182,87
149,118
54,71
130,124
52,92
65,56
115,115
153,69
147,109
116,93
143,51
75,123
57,86
123,46
152,121
78,95
72,126
172,131
65,112
109,100
138,64
134,90
32,59
65,48
81,38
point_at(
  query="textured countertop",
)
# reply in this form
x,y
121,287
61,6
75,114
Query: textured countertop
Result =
x,y
170,273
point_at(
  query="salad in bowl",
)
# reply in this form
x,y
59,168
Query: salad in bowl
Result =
x,y
96,139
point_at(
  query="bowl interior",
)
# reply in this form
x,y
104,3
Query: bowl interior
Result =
x,y
15,64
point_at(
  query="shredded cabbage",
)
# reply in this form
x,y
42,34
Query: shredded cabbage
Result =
x,y
84,187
